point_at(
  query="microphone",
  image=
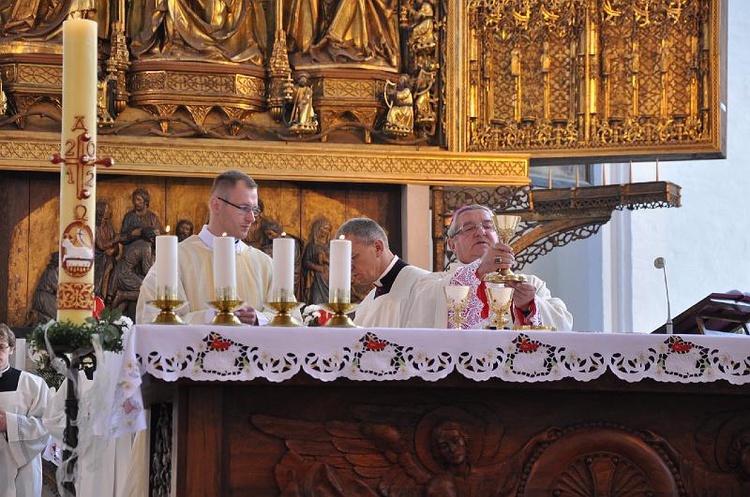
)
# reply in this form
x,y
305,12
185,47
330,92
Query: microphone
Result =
x,y
660,263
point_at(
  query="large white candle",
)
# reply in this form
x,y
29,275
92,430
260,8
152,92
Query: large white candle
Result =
x,y
77,174
166,267
283,269
225,275
340,272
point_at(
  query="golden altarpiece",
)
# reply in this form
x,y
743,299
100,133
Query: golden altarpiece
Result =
x,y
332,105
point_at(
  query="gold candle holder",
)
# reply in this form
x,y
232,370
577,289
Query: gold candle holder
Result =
x,y
457,298
506,226
500,298
167,314
340,311
283,315
225,312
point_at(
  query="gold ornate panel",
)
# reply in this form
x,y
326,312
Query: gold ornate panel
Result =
x,y
592,78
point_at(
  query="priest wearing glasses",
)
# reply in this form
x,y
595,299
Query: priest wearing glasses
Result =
x,y
233,207
479,251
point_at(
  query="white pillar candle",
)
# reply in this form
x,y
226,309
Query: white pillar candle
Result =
x,y
166,267
340,271
75,300
283,269
225,275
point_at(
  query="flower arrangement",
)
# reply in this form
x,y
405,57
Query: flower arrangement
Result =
x,y
314,315
65,337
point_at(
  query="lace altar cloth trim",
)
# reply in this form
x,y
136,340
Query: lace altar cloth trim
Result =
x,y
221,353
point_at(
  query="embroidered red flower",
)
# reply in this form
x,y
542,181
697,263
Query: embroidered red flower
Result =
x,y
219,344
375,344
98,307
526,345
680,347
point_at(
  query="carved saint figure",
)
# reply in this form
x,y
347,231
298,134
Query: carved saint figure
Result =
x,y
423,29
137,258
107,248
139,217
184,229
361,31
316,260
42,19
303,118
423,106
44,300
400,118
302,24
227,30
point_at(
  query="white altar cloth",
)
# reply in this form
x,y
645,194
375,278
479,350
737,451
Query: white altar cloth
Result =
x,y
241,353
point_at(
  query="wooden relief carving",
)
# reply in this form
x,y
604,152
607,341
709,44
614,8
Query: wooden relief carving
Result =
x,y
458,450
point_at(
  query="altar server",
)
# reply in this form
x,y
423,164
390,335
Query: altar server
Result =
x,y
373,263
233,207
474,241
23,438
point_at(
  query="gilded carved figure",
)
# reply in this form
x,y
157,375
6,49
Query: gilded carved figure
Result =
x,y
423,36
303,19
231,30
42,20
364,31
399,120
303,119
424,107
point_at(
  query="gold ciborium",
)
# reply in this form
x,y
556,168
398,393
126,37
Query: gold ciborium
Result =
x,y
284,303
167,314
506,226
500,298
457,298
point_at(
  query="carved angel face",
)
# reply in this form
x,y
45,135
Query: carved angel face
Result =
x,y
450,446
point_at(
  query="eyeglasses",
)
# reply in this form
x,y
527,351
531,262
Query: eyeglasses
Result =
x,y
471,228
246,209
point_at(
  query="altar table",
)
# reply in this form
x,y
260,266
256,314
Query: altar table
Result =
x,y
320,411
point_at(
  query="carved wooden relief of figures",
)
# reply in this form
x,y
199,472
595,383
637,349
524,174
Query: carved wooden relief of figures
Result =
x,y
180,203
316,261
459,438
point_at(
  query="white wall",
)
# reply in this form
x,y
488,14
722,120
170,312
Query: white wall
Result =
x,y
705,242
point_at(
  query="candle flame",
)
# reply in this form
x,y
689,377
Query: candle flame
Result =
x,y
224,234
341,237
283,234
166,230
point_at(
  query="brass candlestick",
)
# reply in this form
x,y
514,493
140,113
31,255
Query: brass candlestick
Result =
x,y
340,311
284,311
506,226
167,313
225,312
457,298
500,298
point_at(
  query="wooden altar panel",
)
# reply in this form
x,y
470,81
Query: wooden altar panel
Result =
x,y
29,229
605,437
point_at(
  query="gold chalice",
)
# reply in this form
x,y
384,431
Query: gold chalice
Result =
x,y
457,298
506,226
500,298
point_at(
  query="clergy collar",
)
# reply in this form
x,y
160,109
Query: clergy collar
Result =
x,y
379,281
4,370
208,238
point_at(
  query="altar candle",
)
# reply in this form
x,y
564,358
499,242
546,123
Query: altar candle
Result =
x,y
166,266
225,275
77,179
340,271
283,269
